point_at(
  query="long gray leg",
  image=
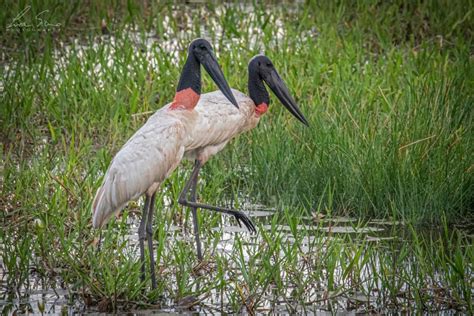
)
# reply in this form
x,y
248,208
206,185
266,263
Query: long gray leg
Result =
x,y
149,237
142,235
239,216
197,166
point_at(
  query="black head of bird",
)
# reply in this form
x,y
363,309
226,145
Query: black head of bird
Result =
x,y
200,52
261,70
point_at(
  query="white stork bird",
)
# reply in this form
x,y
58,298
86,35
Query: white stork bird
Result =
x,y
219,121
157,148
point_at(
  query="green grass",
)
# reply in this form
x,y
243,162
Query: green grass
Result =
x,y
386,87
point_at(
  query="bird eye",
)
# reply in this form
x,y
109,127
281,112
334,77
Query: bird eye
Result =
x,y
203,47
269,64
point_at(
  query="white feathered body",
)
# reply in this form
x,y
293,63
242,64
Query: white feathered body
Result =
x,y
157,148
147,158
218,122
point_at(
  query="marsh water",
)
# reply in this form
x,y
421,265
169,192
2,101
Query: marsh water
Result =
x,y
53,296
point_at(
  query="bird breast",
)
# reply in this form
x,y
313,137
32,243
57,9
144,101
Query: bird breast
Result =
x,y
218,121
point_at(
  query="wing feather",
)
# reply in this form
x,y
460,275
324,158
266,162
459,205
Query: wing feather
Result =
x,y
147,158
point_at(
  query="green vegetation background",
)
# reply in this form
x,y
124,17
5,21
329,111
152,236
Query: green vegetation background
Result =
x,y
387,88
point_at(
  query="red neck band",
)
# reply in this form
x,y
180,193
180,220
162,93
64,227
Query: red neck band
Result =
x,y
185,99
261,109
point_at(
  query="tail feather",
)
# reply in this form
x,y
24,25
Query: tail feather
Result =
x,y
103,206
98,208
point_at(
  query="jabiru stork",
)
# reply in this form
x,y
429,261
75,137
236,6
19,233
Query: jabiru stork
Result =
x,y
156,149
219,121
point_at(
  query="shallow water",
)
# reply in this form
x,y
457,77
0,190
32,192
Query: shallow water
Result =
x,y
40,296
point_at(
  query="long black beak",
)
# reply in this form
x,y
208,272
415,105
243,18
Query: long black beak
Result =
x,y
281,91
209,61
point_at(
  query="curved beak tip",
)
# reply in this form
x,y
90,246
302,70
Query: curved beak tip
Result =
x,y
281,91
234,102
212,67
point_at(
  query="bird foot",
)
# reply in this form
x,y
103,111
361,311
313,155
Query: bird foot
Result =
x,y
242,218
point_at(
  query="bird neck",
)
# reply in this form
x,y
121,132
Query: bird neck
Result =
x,y
258,93
189,86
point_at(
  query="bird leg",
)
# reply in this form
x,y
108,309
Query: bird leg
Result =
x,y
149,237
191,186
142,235
239,215
194,212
